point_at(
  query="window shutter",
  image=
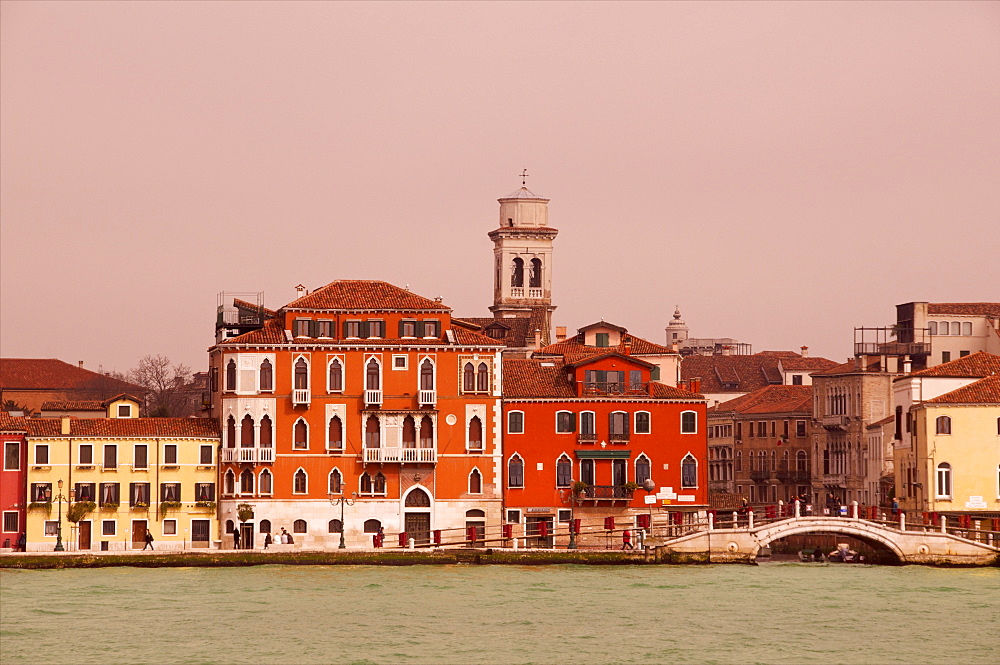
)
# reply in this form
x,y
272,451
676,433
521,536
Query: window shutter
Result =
x,y
572,422
344,327
364,330
419,328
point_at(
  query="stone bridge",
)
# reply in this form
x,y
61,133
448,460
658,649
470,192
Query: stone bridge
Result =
x,y
893,545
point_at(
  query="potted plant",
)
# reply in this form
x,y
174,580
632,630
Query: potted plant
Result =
x,y
244,511
41,505
205,504
110,505
79,510
580,488
167,506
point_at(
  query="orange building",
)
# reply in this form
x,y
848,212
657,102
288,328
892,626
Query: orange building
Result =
x,y
359,392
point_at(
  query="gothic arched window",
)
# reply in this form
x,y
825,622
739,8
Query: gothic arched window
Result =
x,y
535,276
517,273
266,376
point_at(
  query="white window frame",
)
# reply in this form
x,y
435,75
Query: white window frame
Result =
x,y
381,371
555,469
271,360
114,528
635,465
420,366
211,455
177,455
523,467
482,481
559,431
564,515
509,513
329,420
260,475
17,444
79,455
681,466
944,471
17,521
406,362
308,433
593,421
55,528
163,526
308,360
136,467
635,422
127,406
343,373
307,481
472,412
695,413
329,476
509,415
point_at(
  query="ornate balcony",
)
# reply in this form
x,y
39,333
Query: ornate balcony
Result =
x,y
248,455
373,398
400,455
606,493
428,397
586,438
618,438
300,396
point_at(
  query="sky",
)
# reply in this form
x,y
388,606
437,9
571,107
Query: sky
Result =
x,y
782,171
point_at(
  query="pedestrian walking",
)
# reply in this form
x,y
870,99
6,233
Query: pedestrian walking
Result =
x,y
267,540
149,541
236,538
627,540
22,541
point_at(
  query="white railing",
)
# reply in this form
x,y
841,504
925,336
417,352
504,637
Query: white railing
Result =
x,y
534,293
251,455
373,397
516,292
400,455
427,397
300,396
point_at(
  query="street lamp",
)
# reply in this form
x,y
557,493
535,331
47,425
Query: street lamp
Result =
x,y
341,501
59,499
572,515
649,486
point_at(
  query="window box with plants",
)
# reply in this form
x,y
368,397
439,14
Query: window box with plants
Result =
x,y
166,507
41,505
205,504
79,510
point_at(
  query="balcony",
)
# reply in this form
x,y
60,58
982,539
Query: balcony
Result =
x,y
835,422
427,397
618,438
615,388
586,438
534,293
760,476
400,455
248,455
606,493
793,477
373,398
300,396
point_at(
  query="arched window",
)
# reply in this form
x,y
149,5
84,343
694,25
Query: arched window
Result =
x,y
689,422
468,378
515,472
336,376
475,482
246,432
335,484
299,526
535,277
801,461
956,328
301,374
230,526
427,375
265,526
335,434
943,425
230,432
373,380
426,432
932,327
418,499
475,433
265,483
266,437
483,378
266,376
373,437
300,439
689,471
517,272
229,482
774,464
643,469
335,526
944,480
784,461
231,376
378,486
246,482
300,482
365,483
943,328
739,460
409,432
372,526
564,471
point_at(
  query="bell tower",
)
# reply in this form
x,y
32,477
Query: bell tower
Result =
x,y
522,259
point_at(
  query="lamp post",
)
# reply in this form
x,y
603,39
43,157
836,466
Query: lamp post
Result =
x,y
59,499
572,514
649,486
341,501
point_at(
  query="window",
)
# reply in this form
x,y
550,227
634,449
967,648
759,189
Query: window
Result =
x,y
170,453
323,328
587,471
515,422
515,472
140,458
51,528
10,522
266,376
643,469
41,492
372,526
229,480
12,456
689,471
376,328
426,432
231,376
618,425
535,274
944,480
796,379
301,327
373,379
468,378
642,422
336,376
564,515
300,482
483,378
265,486
205,455
967,328
169,527
335,434
336,483
370,485
956,328
943,328
800,428
962,354
352,329
246,481
945,356
399,362
801,461
124,410
335,526
41,453
565,422
761,429
231,432
299,526
564,471
300,438
513,516
204,491
427,375
932,327
301,374
689,422
373,437
517,273
587,425
942,425
109,494
431,328
602,340
264,434
407,328
108,527
86,454
138,494
475,482
475,433
168,492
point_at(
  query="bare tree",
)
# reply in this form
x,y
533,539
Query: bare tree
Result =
x,y
170,391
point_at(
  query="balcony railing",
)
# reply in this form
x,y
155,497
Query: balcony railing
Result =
x,y
402,455
835,421
618,438
534,293
615,388
607,493
428,397
517,292
586,438
373,398
249,455
793,476
759,476
300,396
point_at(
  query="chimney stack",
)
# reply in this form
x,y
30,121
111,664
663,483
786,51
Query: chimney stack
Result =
x,y
65,425
79,363
805,351
628,346
696,384
300,291
538,339
560,333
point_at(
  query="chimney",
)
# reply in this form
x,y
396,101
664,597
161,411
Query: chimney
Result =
x,y
79,363
805,351
674,348
628,346
300,291
696,384
683,385
538,339
560,333
65,425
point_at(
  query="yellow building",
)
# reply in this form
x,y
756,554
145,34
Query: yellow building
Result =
x,y
101,483
953,461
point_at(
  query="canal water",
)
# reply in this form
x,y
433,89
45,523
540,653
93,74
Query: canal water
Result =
x,y
772,613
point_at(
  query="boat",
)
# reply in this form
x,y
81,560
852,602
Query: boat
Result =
x,y
844,554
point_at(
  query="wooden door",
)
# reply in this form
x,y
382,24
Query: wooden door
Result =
x,y
200,533
139,533
83,531
418,527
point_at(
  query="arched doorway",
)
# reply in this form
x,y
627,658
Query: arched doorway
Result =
x,y
417,518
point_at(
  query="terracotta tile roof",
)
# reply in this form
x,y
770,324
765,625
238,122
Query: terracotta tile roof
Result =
x,y
850,367
966,308
977,364
54,374
9,423
778,354
363,294
585,358
573,346
983,391
799,363
82,405
273,334
546,377
880,423
743,373
202,428
520,331
770,399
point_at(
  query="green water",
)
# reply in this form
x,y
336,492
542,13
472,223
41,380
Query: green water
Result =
x,y
773,613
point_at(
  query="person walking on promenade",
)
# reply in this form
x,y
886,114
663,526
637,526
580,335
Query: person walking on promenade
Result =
x,y
149,541
267,540
22,542
627,540
236,538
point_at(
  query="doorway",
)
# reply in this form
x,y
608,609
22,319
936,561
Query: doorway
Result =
x,y
139,533
83,531
533,530
200,533
246,536
418,527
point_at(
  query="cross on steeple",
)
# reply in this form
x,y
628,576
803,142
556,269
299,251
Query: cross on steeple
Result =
x,y
524,175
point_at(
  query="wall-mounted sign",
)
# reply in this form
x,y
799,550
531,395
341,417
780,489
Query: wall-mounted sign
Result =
x,y
686,497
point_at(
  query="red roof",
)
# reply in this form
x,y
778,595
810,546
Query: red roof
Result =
x,y
519,332
547,377
82,405
272,334
9,423
977,364
363,294
202,428
983,391
965,308
771,399
743,374
54,374
850,367
574,346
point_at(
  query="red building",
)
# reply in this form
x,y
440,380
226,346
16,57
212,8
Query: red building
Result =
x,y
584,430
13,478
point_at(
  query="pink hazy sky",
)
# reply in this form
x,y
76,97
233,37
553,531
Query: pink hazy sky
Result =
x,y
783,171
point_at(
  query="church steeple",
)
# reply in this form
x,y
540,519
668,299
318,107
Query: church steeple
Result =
x,y
522,256
677,331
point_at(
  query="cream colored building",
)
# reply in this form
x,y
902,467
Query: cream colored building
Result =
x,y
955,329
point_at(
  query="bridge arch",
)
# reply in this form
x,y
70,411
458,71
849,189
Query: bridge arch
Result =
x,y
880,540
